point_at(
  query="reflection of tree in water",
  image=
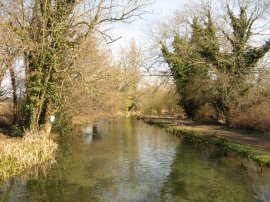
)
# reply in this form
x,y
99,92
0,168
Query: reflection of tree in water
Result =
x,y
91,132
198,174
130,163
14,190
17,188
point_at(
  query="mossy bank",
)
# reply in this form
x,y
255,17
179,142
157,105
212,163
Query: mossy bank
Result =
x,y
204,137
262,157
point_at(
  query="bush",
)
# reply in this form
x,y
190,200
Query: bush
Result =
x,y
206,114
62,125
256,117
16,130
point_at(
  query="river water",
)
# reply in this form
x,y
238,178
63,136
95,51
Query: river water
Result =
x,y
128,160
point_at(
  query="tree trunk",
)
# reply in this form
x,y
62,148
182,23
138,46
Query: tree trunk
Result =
x,y
35,92
14,92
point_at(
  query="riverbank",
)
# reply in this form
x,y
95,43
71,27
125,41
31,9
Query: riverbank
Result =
x,y
20,155
250,145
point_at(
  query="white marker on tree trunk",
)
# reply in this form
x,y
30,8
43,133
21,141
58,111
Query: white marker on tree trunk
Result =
x,y
52,118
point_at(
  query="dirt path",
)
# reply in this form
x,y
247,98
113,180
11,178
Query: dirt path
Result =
x,y
261,143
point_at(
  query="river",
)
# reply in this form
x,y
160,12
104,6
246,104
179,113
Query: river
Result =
x,y
128,160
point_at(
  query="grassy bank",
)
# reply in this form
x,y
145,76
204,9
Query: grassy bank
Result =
x,y
19,155
205,137
157,121
262,157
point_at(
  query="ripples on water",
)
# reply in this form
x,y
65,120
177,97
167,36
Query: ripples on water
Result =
x,y
130,161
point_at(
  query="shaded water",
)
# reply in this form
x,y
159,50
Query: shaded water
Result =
x,y
131,161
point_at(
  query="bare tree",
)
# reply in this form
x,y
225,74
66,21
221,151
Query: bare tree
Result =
x,y
49,31
131,64
91,89
10,54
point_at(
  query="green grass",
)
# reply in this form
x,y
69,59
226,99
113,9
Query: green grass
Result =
x,y
160,122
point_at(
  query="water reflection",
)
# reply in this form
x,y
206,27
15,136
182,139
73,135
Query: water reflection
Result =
x,y
14,190
88,137
203,174
131,161
90,132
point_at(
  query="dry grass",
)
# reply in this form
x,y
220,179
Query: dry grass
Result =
x,y
257,117
18,155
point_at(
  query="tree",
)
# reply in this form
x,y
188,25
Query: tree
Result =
x,y
243,56
10,52
239,62
205,71
190,60
130,64
92,89
156,99
49,31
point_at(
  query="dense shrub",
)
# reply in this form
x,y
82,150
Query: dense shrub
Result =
x,y
256,117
